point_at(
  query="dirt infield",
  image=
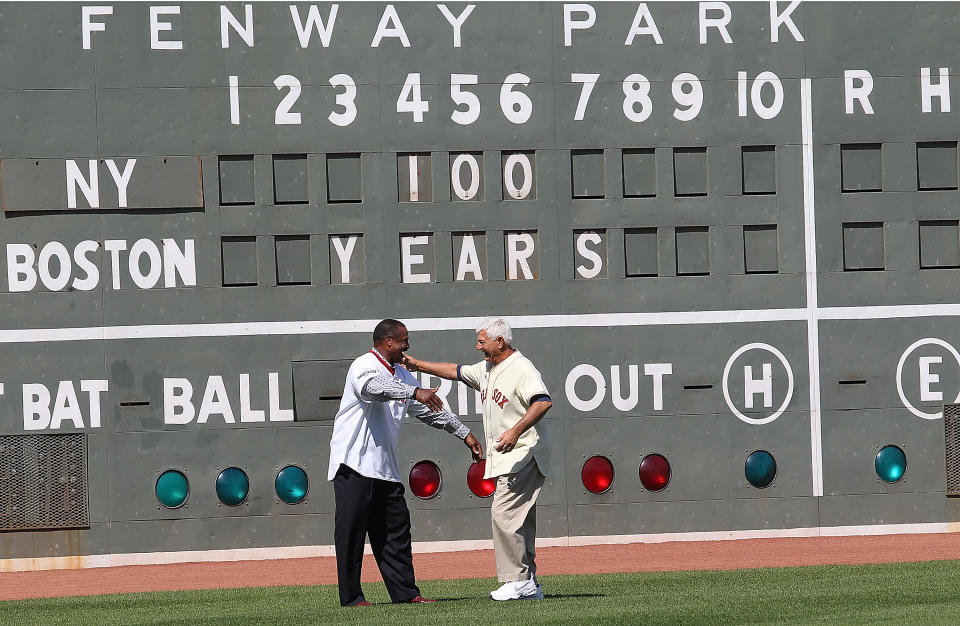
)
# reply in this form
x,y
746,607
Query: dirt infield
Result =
x,y
639,557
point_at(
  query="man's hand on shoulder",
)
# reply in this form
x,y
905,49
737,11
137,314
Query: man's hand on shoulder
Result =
x,y
429,398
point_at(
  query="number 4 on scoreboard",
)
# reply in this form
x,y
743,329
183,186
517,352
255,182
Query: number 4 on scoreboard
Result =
x,y
410,100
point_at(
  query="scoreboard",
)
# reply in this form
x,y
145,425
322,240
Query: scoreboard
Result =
x,y
727,233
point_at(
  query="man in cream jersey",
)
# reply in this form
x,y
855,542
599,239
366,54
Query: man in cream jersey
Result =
x,y
518,449
365,468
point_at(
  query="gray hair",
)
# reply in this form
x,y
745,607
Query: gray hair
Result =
x,y
496,327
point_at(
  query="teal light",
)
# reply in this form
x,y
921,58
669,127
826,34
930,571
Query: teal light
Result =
x,y
232,486
760,468
291,484
891,464
172,489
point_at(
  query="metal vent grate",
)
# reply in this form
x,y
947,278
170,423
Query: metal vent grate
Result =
x,y
43,482
951,425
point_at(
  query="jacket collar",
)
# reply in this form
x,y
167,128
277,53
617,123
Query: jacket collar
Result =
x,y
384,362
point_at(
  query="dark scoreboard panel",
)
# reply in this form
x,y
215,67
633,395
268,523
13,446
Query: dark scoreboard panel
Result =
x,y
727,233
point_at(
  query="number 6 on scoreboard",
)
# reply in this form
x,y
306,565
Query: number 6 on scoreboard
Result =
x,y
516,105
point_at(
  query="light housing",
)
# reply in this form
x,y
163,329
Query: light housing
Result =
x,y
480,486
291,484
597,474
172,489
233,486
655,472
760,468
425,480
891,463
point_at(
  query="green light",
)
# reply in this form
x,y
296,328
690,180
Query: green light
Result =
x,y
760,468
291,484
891,464
232,486
172,489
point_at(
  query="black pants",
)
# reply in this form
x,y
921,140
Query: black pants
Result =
x,y
375,507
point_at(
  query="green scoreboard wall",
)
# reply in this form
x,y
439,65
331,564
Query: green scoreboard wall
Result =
x,y
727,233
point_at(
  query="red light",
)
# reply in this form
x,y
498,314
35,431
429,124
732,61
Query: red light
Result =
x,y
425,479
654,472
480,486
597,474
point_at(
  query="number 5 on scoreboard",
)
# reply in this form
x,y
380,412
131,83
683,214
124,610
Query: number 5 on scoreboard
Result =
x,y
588,82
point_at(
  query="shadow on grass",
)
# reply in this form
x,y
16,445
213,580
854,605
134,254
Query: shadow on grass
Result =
x,y
556,596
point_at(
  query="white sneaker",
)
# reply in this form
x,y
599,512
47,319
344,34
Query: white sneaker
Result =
x,y
518,590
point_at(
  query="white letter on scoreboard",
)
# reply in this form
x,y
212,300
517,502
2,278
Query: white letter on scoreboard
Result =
x,y
314,21
517,256
36,406
156,26
87,26
115,247
928,378
121,179
247,413
177,393
90,191
720,23
92,278
589,255
578,372
66,407
469,260
780,19
245,30
54,249
930,91
273,391
94,388
643,16
215,402
408,259
658,371
140,248
344,253
754,386
859,93
20,273
570,24
633,374
456,21
177,262
395,30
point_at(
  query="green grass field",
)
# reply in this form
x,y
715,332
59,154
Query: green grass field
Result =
x,y
908,593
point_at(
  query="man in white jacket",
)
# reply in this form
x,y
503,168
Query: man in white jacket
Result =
x,y
365,468
518,449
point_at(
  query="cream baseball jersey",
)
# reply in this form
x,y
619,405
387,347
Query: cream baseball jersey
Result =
x,y
506,391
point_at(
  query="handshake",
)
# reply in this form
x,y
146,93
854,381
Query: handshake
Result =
x,y
430,399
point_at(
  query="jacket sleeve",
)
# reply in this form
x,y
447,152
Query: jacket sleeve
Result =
x,y
439,419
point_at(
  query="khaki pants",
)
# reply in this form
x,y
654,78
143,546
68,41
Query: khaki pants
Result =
x,y
514,517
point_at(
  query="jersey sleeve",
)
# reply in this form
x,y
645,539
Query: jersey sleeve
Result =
x,y
530,385
359,375
472,375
